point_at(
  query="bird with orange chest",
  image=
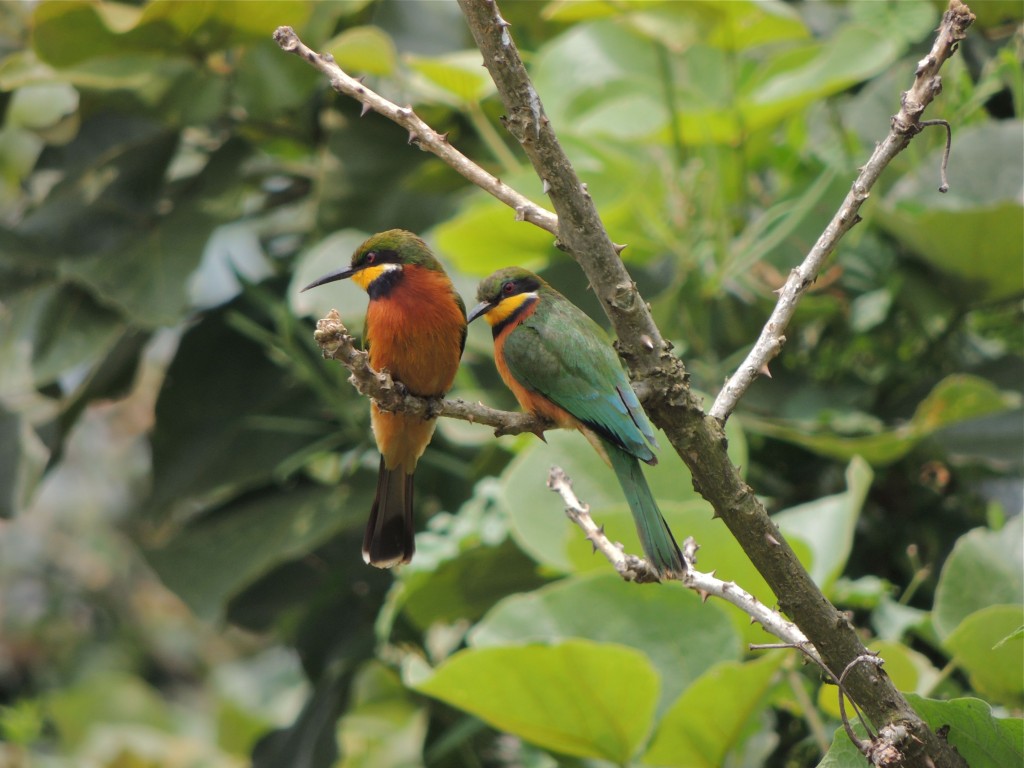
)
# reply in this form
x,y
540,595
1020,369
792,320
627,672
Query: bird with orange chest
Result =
x,y
416,329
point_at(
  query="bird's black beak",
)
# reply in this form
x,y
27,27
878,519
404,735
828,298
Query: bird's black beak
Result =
x,y
480,309
330,277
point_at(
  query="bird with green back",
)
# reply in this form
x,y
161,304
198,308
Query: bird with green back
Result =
x,y
560,365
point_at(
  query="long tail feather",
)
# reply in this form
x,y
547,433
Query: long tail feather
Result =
x,y
659,545
389,538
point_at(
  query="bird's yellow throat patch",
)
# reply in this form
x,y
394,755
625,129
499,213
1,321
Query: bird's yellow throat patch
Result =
x,y
508,307
364,277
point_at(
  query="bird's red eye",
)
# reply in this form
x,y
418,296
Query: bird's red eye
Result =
x,y
371,257
508,287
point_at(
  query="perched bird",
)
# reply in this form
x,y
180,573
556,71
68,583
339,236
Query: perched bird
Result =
x,y
560,364
416,329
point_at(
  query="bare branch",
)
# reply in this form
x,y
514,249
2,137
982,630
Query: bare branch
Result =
x,y
905,125
337,344
420,133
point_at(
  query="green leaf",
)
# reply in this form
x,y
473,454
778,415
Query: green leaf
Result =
x,y
73,331
484,236
226,418
457,78
23,458
983,740
827,524
230,548
984,646
710,719
148,279
41,105
615,81
734,26
364,50
678,633
67,33
985,568
794,80
956,399
577,698
466,586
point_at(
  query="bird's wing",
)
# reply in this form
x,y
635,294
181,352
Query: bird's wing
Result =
x,y
561,353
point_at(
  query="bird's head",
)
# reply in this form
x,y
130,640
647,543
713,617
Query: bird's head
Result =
x,y
381,258
504,292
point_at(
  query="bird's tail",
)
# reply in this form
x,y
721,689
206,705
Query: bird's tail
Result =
x,y
659,546
389,538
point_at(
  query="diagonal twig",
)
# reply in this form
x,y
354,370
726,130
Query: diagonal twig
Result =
x,y
633,568
420,133
904,126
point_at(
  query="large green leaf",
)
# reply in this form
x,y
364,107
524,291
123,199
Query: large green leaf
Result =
x,y
364,50
113,176
226,418
455,78
989,647
576,698
215,557
680,635
827,524
147,277
985,568
485,236
710,719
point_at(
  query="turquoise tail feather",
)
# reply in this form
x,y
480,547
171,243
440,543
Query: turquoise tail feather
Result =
x,y
660,547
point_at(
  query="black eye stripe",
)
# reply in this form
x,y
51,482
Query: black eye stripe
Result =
x,y
379,257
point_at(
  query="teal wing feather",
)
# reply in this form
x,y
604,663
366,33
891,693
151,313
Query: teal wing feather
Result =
x,y
561,353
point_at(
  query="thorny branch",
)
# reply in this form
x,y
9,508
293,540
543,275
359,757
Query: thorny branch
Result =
x,y
420,133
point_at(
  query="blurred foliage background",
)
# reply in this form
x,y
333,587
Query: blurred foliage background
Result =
x,y
183,481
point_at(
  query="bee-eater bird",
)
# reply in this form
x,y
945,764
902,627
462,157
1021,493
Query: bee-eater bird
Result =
x,y
560,364
416,329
